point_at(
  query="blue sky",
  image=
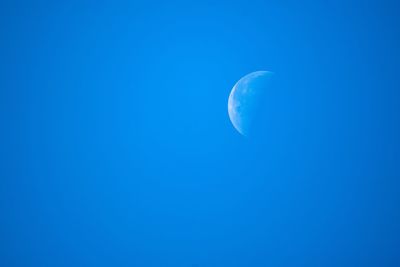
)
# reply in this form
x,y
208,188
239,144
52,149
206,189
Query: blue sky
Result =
x,y
117,150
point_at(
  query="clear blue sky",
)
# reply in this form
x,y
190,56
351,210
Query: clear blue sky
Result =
x,y
116,148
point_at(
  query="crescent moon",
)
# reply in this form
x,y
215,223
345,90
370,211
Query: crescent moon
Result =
x,y
245,98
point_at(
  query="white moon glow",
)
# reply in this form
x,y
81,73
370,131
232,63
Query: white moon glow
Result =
x,y
245,99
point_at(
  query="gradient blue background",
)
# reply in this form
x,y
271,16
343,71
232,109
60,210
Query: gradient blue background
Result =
x,y
116,148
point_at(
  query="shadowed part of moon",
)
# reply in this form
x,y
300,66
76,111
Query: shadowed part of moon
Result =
x,y
245,98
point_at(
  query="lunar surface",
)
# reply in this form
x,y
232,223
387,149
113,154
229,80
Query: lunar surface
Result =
x,y
245,99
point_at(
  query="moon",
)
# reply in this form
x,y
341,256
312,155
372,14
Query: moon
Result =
x,y
245,100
